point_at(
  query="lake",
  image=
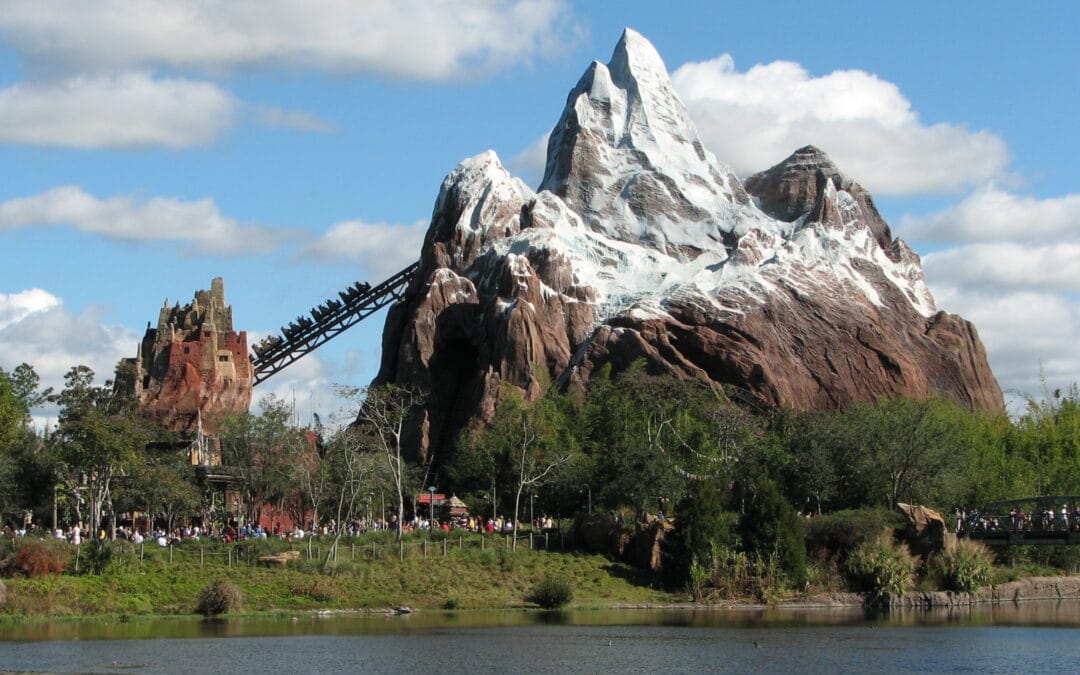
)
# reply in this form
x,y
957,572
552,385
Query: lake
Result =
x,y
1029,637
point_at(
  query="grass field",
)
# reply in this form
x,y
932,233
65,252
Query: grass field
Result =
x,y
369,572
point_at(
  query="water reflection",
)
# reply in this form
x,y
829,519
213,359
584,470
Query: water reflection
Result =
x,y
1063,613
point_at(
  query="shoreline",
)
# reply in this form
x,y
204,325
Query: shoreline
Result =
x,y
1025,591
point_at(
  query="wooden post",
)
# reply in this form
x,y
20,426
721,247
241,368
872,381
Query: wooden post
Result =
x,y
78,552
425,548
460,545
170,554
401,550
142,552
352,551
546,547
201,556
444,548
482,540
531,537
374,555
507,542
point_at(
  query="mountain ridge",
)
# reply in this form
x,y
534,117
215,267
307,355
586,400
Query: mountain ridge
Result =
x,y
641,244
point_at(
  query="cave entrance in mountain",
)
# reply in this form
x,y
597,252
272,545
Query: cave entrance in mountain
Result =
x,y
456,388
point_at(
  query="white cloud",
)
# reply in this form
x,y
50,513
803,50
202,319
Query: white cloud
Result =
x,y
17,306
1016,276
992,215
382,249
1023,331
129,110
754,119
293,119
1007,266
414,39
198,225
307,384
36,328
529,164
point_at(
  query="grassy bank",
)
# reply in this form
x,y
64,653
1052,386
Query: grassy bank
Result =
x,y
370,572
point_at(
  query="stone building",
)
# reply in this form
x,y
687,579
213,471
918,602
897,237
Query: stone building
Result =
x,y
192,369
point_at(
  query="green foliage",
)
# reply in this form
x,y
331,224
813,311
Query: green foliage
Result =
x,y
838,534
97,557
769,526
220,597
267,449
525,448
966,567
881,567
702,526
1047,442
99,436
551,593
647,436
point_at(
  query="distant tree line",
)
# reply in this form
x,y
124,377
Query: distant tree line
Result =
x,y
634,443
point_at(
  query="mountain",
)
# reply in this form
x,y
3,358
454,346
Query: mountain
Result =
x,y
639,243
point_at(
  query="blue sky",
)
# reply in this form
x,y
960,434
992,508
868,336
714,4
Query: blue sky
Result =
x,y
295,147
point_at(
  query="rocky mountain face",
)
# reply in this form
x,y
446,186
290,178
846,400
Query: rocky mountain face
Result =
x,y
639,243
192,368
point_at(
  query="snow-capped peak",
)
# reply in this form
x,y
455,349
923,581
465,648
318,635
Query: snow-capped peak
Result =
x,y
626,156
646,217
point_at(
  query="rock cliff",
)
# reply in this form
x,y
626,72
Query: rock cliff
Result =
x,y
639,243
192,366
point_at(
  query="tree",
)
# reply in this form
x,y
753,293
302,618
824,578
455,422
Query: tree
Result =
x,y
348,471
99,436
526,444
264,449
702,525
649,436
381,424
916,449
770,526
1048,441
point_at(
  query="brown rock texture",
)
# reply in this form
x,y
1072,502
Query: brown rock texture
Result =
x,y
192,367
639,244
925,533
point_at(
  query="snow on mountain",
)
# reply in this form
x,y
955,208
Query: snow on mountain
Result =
x,y
639,243
643,212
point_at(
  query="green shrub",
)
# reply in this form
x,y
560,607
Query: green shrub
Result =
x,y
837,534
966,567
701,526
219,597
771,527
450,604
881,567
551,593
97,557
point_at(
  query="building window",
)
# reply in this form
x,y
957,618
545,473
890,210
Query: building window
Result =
x,y
223,357
187,350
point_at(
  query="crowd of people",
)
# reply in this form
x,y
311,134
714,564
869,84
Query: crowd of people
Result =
x,y
77,534
1045,519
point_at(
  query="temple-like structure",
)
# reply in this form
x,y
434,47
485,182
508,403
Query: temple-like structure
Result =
x,y
193,368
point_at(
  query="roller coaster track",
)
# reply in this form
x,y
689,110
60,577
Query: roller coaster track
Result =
x,y
326,321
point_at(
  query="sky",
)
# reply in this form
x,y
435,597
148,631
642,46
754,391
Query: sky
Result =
x,y
294,147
